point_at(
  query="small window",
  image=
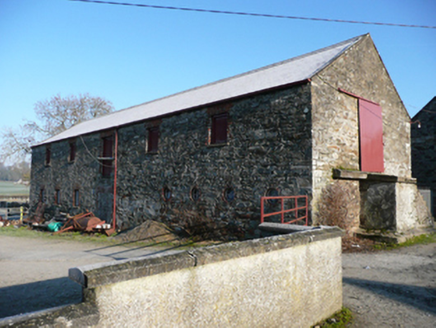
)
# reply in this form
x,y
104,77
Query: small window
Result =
x,y
47,155
42,195
57,197
72,155
166,193
229,194
195,194
76,197
272,192
219,129
107,154
153,139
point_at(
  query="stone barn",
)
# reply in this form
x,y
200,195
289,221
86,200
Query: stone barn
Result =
x,y
329,117
424,151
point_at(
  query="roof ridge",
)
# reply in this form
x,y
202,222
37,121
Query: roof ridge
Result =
x,y
219,90
355,39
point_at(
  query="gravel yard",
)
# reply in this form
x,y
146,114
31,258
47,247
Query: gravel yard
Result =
x,y
383,289
391,288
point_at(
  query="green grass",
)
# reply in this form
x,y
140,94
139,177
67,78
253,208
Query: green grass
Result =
x,y
418,240
8,188
27,232
340,319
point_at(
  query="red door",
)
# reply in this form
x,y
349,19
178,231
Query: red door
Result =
x,y
371,137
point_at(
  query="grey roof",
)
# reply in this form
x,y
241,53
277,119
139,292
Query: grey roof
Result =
x,y
290,71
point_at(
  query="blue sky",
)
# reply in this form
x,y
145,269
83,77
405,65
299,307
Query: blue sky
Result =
x,y
130,55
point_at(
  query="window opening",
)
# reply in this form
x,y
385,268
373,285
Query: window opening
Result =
x,y
166,193
219,129
153,139
76,197
42,195
229,194
47,155
107,155
195,194
272,192
72,156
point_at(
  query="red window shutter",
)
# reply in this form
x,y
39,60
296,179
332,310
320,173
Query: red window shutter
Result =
x,y
57,196
107,153
153,139
371,137
219,129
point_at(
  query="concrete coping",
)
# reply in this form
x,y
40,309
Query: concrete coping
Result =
x,y
91,276
284,228
359,175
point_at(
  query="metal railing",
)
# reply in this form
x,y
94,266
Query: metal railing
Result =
x,y
295,209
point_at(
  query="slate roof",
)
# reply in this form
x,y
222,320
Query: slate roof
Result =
x,y
283,73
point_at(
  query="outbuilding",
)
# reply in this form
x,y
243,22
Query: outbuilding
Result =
x,y
329,117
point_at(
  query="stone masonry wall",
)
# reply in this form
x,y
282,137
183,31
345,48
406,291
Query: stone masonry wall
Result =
x,y
269,146
335,116
82,174
423,132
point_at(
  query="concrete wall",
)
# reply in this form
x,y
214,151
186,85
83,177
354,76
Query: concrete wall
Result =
x,y
412,211
292,280
283,281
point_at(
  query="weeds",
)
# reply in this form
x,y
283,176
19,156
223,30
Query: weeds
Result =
x,y
340,319
418,240
333,207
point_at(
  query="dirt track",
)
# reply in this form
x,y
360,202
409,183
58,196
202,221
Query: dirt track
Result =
x,y
392,288
34,272
384,289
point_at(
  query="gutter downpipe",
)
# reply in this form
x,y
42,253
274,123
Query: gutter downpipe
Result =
x,y
115,181
114,208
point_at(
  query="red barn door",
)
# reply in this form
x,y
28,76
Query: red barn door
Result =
x,y
371,137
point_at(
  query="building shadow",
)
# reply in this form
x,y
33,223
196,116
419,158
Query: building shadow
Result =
x,y
40,295
422,298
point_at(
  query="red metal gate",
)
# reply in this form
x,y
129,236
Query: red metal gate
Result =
x,y
295,208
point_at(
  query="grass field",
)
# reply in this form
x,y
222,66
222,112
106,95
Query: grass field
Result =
x,y
8,188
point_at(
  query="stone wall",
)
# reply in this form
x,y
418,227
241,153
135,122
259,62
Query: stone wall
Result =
x,y
378,205
83,174
387,203
423,135
335,116
269,146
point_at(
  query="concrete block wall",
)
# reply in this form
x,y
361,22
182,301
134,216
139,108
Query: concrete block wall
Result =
x,y
292,280
282,281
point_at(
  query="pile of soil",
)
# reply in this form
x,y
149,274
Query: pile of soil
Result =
x,y
150,232
357,245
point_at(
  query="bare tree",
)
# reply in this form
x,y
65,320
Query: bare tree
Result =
x,y
54,115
